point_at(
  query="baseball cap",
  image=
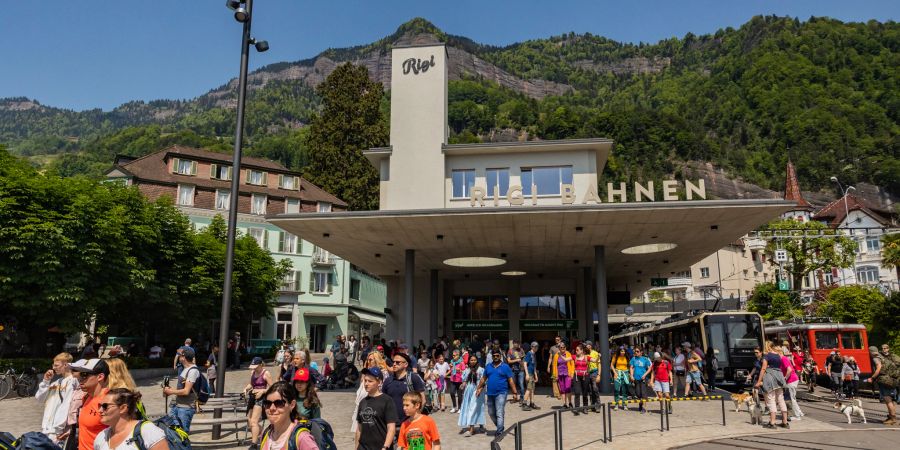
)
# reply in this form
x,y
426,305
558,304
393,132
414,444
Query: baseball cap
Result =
x,y
379,348
373,371
257,361
403,347
301,375
535,344
589,343
656,355
92,366
188,353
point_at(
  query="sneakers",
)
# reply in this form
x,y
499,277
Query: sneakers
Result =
x,y
785,425
890,421
793,418
533,406
526,407
253,447
769,425
575,412
452,410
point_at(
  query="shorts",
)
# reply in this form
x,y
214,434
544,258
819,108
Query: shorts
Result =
x,y
884,391
529,386
661,386
641,390
694,377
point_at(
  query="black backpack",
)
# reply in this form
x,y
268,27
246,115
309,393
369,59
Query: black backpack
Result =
x,y
427,407
34,440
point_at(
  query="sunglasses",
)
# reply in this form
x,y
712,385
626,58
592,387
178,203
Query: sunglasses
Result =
x,y
104,406
398,362
83,375
276,403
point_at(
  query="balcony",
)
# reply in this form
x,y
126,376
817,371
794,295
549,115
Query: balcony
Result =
x,y
289,286
322,258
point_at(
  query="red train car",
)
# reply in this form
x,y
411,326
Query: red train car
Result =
x,y
822,338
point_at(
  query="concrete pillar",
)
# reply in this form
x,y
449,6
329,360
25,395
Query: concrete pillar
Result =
x,y
514,289
409,284
433,317
603,318
579,305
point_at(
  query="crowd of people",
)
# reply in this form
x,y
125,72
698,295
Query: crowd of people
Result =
x,y
400,388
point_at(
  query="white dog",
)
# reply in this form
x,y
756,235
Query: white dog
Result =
x,y
850,409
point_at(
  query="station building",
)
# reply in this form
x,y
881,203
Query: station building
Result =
x,y
517,240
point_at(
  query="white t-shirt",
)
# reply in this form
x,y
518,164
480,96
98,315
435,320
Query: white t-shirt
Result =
x,y
442,369
149,432
189,374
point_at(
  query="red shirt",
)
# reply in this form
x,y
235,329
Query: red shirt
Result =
x,y
89,424
661,371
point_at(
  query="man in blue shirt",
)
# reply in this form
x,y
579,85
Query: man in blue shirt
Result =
x,y
499,381
530,377
640,373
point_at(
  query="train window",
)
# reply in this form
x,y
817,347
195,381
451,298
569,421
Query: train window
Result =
x,y
851,340
826,339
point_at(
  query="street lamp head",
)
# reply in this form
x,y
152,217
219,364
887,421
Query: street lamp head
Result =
x,y
241,14
232,4
850,188
834,179
261,46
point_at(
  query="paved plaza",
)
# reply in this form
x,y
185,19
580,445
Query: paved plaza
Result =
x,y
690,422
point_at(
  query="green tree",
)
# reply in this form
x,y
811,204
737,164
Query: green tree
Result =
x,y
773,304
853,304
810,254
890,251
350,122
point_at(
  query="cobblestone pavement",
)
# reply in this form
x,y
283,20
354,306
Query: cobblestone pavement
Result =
x,y
691,421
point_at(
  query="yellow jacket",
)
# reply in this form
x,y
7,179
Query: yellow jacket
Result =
x,y
570,366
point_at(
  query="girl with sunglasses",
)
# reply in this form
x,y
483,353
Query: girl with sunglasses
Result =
x,y
280,404
119,412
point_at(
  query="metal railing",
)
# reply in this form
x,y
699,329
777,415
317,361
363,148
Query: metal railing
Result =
x,y
323,257
517,434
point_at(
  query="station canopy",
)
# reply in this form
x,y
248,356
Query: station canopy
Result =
x,y
544,241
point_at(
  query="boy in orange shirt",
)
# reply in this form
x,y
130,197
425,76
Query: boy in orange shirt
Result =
x,y
418,431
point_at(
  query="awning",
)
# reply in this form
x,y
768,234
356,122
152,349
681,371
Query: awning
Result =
x,y
368,317
321,314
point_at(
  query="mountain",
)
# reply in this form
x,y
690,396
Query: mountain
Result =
x,y
821,92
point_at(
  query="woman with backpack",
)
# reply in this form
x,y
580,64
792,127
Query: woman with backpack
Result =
x,y
621,377
119,412
280,403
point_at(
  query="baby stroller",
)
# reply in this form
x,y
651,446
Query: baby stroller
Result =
x,y
343,376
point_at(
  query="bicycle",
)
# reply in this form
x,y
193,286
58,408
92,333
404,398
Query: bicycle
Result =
x,y
25,384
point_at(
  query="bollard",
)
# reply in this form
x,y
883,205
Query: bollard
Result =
x,y
723,409
662,406
668,405
556,434
559,419
609,418
603,407
518,436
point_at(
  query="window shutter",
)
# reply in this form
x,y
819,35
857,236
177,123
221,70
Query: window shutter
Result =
x,y
212,170
299,246
265,244
265,178
247,171
193,167
297,183
280,180
175,162
312,282
281,242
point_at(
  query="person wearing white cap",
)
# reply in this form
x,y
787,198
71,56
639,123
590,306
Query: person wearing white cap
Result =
x,y
661,376
94,378
57,395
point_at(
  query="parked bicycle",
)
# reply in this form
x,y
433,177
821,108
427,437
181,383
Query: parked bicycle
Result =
x,y
25,384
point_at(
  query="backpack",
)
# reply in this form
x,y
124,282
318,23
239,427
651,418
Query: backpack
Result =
x,y
176,437
890,373
426,408
321,433
7,441
34,440
201,387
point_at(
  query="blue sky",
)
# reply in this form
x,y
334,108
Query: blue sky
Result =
x,y
102,53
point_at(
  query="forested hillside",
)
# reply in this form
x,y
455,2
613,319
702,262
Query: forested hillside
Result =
x,y
821,92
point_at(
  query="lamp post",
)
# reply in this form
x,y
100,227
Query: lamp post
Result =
x,y
242,13
844,194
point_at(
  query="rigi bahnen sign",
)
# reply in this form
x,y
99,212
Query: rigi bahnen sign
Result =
x,y
642,192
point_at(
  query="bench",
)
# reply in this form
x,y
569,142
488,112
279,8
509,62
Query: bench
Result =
x,y
239,422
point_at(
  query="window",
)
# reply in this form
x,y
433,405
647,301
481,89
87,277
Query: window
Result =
x,y
547,180
867,274
826,340
284,323
323,207
463,181
851,340
481,307
219,172
256,177
873,244
260,235
258,204
288,182
829,278
291,281
292,205
498,178
704,272
184,166
287,243
547,307
185,195
223,200
320,283
354,289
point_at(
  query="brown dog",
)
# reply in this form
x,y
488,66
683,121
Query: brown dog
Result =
x,y
740,399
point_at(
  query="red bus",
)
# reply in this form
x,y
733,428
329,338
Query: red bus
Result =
x,y
819,339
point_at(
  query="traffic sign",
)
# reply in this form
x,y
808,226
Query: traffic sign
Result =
x,y
781,255
629,310
659,282
783,285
